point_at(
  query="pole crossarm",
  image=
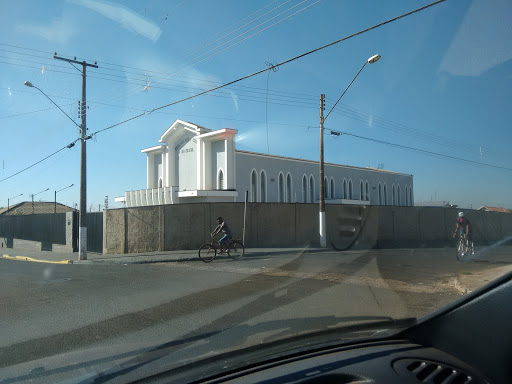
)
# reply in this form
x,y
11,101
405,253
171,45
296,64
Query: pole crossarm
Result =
x,y
74,61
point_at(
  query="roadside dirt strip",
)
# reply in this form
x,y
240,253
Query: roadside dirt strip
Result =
x,y
461,283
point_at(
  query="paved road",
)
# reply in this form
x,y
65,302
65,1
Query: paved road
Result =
x,y
49,309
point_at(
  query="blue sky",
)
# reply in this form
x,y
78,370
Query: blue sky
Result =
x,y
441,86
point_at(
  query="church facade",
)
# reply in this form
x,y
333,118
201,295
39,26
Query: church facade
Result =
x,y
193,164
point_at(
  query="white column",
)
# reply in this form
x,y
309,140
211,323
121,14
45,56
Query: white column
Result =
x,y
151,171
200,169
171,166
128,199
230,166
207,165
164,170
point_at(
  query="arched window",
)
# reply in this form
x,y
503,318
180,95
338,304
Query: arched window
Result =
x,y
380,194
280,188
160,183
361,190
393,195
367,189
254,186
332,188
385,200
220,179
344,191
289,192
304,189
311,189
350,190
398,195
263,187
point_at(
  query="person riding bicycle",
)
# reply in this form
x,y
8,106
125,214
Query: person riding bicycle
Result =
x,y
463,224
223,226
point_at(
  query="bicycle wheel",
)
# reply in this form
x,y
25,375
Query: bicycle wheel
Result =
x,y
207,253
236,250
461,248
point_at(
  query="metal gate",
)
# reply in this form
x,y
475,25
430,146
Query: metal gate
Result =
x,y
94,232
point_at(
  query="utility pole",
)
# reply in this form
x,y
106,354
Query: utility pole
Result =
x,y
82,231
322,228
321,217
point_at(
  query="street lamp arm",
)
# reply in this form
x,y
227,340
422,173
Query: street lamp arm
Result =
x,y
69,186
337,101
35,194
29,84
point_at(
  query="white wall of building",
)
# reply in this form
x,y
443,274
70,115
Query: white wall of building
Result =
x,y
298,181
194,164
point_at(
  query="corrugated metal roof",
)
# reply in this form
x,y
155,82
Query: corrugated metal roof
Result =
x,y
39,207
493,209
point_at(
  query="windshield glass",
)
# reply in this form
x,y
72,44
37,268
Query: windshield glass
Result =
x,y
193,177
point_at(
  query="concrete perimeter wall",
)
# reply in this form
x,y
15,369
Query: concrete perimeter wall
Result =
x,y
187,226
47,232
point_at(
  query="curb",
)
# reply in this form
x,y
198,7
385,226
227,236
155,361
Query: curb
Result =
x,y
25,258
152,261
134,261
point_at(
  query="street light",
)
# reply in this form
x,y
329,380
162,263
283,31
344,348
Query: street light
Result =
x,y
10,198
55,201
322,229
35,194
29,84
82,215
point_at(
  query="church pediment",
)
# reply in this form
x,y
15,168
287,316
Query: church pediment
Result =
x,y
180,128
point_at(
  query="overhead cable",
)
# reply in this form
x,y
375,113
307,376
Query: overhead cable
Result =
x,y
248,76
420,150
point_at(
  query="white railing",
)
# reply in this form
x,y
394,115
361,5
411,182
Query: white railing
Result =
x,y
147,197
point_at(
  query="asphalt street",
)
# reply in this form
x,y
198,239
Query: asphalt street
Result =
x,y
50,309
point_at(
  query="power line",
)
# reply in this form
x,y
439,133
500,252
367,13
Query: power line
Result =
x,y
184,80
40,161
199,45
246,77
216,53
425,136
420,150
238,88
277,65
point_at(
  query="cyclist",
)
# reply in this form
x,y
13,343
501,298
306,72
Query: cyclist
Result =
x,y
464,224
222,226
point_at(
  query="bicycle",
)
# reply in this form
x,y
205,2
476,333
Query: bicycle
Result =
x,y
234,248
462,247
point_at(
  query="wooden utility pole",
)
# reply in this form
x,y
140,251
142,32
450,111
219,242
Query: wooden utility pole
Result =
x,y
82,231
321,216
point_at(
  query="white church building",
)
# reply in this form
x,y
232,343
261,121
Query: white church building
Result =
x,y
194,164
